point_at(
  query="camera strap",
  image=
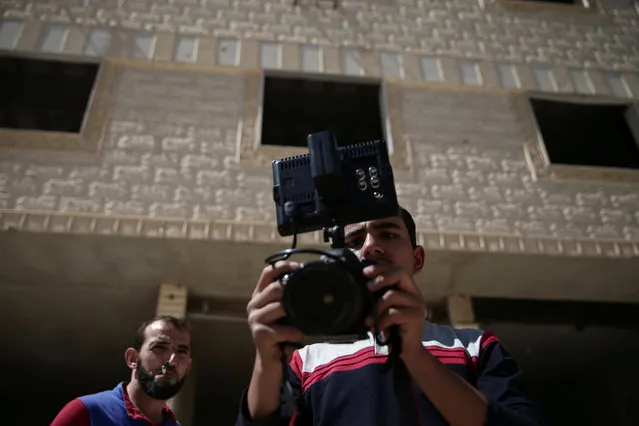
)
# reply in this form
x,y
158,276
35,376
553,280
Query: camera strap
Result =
x,y
289,399
407,410
289,396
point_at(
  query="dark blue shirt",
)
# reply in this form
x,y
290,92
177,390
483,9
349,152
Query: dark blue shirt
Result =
x,y
342,384
107,408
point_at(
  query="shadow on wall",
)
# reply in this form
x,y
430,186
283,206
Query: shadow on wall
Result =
x,y
599,397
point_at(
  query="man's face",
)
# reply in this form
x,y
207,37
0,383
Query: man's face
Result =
x,y
164,345
386,241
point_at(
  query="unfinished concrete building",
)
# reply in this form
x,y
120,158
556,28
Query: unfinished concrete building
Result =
x,y
135,146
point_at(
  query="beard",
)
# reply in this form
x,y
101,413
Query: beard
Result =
x,y
162,390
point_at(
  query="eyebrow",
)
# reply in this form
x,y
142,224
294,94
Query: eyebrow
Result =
x,y
376,226
165,342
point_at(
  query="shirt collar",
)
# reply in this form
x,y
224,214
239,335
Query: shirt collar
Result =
x,y
133,411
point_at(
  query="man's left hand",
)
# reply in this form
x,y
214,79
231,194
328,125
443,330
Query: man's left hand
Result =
x,y
402,304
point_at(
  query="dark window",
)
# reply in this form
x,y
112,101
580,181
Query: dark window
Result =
x,y
48,95
575,2
555,312
295,107
587,134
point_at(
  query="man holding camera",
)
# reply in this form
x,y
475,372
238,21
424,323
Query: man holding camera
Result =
x,y
442,376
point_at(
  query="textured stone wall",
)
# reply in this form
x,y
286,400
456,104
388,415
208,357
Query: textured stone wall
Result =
x,y
473,175
168,152
457,28
170,149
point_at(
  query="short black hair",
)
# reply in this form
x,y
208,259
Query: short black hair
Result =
x,y
410,225
179,323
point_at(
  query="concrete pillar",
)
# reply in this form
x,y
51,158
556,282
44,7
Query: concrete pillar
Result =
x,y
460,312
172,299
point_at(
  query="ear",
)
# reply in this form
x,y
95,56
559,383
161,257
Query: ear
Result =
x,y
418,259
188,367
131,358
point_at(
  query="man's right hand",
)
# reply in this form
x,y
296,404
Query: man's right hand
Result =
x,y
264,309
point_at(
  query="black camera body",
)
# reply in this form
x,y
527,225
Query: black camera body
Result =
x,y
329,188
329,298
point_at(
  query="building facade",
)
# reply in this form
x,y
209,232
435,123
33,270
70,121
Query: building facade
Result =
x,y
167,181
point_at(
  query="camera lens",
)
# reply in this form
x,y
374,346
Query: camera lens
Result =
x,y
321,299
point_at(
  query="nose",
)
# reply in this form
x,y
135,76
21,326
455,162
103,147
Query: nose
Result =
x,y
370,248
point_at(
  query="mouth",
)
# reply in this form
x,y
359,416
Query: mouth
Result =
x,y
368,262
166,377
162,373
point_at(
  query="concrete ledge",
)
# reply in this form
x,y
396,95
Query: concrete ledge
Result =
x,y
260,232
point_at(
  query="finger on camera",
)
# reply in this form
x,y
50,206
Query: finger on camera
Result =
x,y
267,314
287,333
386,278
398,277
271,273
397,299
271,293
370,322
376,269
399,317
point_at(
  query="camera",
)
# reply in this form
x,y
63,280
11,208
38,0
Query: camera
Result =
x,y
327,189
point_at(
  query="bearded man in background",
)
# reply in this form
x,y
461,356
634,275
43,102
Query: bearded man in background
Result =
x,y
159,361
